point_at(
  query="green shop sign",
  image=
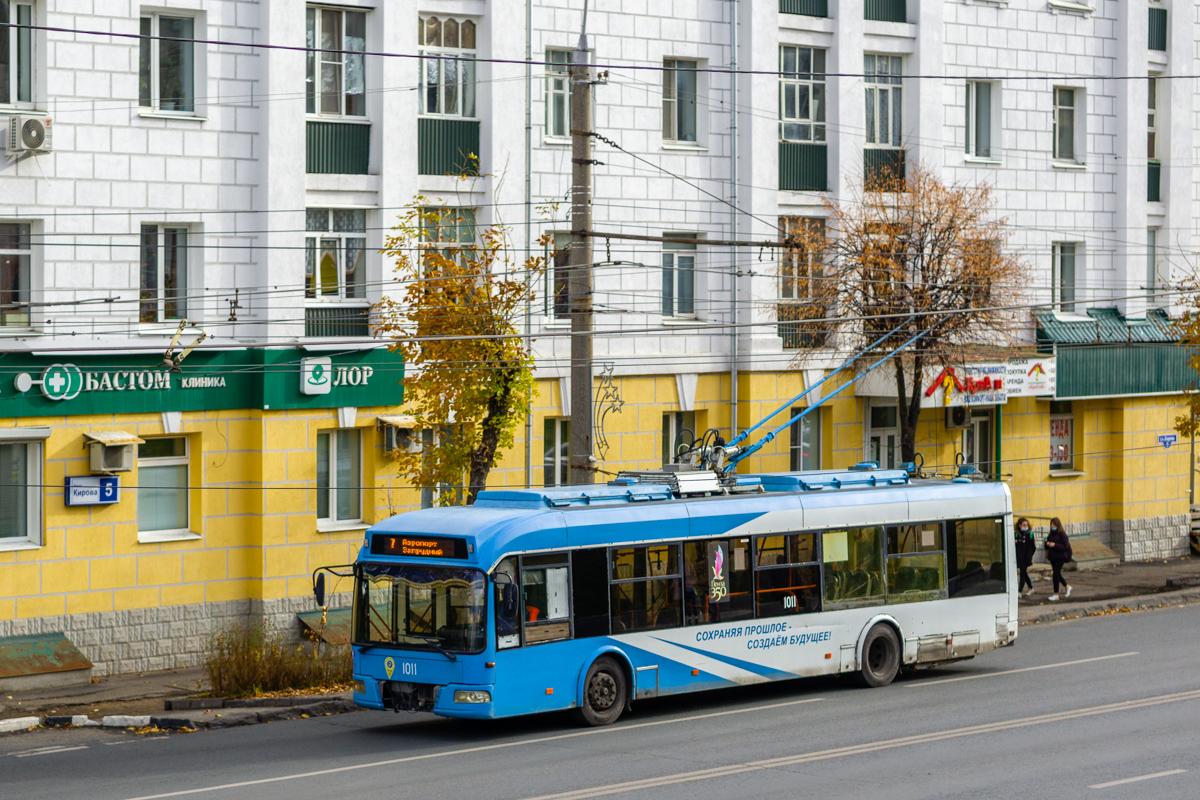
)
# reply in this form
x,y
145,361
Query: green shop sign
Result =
x,y
40,386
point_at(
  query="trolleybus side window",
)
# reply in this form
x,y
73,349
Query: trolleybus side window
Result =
x,y
589,590
916,563
508,605
645,588
975,552
718,581
852,565
546,596
787,578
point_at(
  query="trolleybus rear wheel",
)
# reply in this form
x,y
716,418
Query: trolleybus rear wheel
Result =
x,y
605,692
880,656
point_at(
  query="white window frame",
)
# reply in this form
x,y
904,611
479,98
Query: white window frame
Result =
x,y
678,261
798,265
332,521
34,439
1069,466
558,277
22,50
464,61
795,85
154,42
1154,277
558,94
674,422
144,463
347,293
556,433
24,297
1152,118
676,107
884,91
983,113
346,62
160,298
1064,296
1077,111
796,446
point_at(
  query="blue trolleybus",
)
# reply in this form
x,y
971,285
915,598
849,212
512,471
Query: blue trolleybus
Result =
x,y
591,597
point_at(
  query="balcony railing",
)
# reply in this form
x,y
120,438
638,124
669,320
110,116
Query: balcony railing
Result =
x,y
338,148
801,325
809,8
803,167
337,321
885,10
1158,29
883,170
447,146
1154,182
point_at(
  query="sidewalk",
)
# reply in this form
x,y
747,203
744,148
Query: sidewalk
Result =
x,y
161,699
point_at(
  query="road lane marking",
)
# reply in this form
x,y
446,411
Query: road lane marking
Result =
x,y
1138,778
480,749
47,751
1015,671
860,749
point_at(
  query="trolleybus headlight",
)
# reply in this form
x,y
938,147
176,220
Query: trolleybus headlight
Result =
x,y
472,696
359,687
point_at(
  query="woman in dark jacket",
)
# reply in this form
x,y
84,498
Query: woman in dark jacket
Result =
x,y
1058,553
1026,547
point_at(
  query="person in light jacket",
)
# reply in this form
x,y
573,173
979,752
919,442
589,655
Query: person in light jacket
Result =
x,y
1026,547
1058,553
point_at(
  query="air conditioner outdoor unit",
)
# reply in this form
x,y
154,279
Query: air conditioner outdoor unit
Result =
x,y
28,134
110,457
958,417
400,440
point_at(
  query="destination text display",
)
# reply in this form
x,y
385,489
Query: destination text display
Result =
x,y
418,546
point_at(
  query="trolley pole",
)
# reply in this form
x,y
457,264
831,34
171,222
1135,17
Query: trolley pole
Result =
x,y
579,451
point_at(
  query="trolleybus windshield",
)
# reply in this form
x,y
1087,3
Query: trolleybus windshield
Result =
x,y
436,608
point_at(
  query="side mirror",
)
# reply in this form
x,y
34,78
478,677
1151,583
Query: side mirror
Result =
x,y
319,589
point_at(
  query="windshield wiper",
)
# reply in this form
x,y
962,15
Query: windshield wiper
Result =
x,y
434,643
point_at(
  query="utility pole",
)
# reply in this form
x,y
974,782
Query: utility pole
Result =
x,y
579,451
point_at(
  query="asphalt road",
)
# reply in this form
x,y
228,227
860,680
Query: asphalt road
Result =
x,y
1072,707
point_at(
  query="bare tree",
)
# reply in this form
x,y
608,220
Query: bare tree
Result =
x,y
907,256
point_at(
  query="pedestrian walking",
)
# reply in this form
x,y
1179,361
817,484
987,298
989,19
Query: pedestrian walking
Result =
x,y
1058,553
1026,547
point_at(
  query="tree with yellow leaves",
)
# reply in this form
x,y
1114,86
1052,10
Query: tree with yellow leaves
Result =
x,y
455,322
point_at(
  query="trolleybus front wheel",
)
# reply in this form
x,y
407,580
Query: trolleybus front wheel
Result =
x,y
605,692
880,656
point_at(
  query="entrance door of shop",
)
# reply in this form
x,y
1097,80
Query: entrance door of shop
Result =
x,y
978,440
884,436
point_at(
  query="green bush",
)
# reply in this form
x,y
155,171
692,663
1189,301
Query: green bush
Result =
x,y
245,660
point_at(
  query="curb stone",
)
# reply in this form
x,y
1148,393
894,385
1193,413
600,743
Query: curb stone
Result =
x,y
19,724
1135,603
125,721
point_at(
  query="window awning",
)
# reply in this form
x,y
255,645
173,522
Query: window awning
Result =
x,y
113,437
397,420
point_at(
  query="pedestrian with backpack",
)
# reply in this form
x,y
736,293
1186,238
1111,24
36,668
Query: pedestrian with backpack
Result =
x,y
1026,547
1058,553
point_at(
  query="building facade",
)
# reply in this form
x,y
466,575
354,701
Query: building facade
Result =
x,y
236,167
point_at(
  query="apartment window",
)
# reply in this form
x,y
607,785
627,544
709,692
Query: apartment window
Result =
x,y
979,118
335,257
167,63
679,277
1062,435
557,434
805,448
452,229
680,85
339,476
1064,274
447,66
1153,278
16,250
800,261
20,490
884,100
558,277
335,80
801,94
678,433
162,485
164,267
16,54
558,93
1152,119
1064,124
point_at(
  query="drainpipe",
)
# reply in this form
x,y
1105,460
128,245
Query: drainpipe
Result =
x,y
733,217
528,227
